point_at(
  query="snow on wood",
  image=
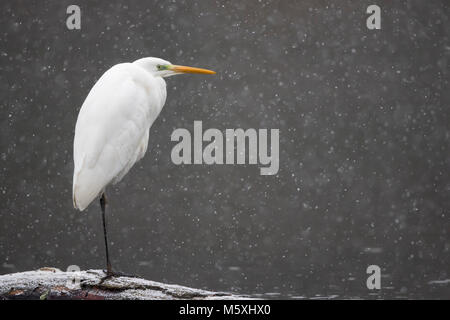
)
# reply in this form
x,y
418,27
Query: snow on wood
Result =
x,y
51,283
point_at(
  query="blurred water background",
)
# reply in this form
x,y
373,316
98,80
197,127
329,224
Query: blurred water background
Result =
x,y
364,145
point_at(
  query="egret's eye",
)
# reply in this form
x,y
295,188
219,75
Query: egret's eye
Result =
x,y
161,67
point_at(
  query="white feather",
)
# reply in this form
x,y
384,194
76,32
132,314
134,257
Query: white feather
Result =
x,y
112,129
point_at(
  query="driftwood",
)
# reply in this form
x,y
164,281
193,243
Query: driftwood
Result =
x,y
52,283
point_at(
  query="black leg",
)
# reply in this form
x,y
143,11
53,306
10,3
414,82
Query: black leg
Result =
x,y
103,206
109,272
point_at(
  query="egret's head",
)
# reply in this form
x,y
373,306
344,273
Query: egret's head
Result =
x,y
162,68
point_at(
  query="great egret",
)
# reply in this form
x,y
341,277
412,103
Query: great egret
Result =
x,y
112,129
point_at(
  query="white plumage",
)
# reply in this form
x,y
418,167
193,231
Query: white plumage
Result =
x,y
112,128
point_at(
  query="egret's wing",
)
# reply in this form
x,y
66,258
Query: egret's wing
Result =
x,y
111,127
140,152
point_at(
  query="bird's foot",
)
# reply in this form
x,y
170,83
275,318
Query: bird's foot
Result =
x,y
115,274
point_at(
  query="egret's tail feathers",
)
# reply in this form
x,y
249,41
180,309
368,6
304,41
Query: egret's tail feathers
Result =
x,y
86,188
80,205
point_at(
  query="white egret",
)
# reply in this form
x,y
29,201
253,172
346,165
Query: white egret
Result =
x,y
112,129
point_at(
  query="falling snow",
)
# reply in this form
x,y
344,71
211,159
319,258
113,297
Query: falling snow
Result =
x,y
364,145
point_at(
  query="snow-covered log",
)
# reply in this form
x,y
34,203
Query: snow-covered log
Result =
x,y
52,283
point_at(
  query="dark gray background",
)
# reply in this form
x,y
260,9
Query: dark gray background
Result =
x,y
364,145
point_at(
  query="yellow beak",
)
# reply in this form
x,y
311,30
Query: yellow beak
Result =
x,y
184,69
